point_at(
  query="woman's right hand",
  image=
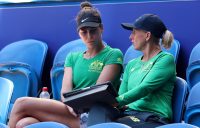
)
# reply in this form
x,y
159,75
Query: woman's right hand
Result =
x,y
123,108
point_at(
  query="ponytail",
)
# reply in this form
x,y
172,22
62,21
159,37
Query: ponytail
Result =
x,y
167,39
86,5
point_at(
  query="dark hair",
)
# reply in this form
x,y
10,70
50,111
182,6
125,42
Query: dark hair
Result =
x,y
88,16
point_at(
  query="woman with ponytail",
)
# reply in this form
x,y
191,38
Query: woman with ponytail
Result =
x,y
98,64
145,94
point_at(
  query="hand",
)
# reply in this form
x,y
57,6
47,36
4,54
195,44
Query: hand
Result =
x,y
123,108
72,111
115,104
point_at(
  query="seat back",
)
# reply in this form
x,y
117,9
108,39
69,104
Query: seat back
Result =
x,y
3,125
29,51
49,124
23,77
57,73
6,90
131,53
192,113
110,125
174,50
178,125
57,70
22,62
178,99
193,69
72,46
193,74
194,55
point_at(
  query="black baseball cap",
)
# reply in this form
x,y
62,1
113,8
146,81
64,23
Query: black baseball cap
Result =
x,y
147,22
89,20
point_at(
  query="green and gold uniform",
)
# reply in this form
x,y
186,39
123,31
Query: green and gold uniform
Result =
x,y
148,86
86,71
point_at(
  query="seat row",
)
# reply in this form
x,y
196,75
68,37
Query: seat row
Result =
x,y
24,68
179,99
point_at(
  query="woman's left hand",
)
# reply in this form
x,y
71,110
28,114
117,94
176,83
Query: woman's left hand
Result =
x,y
72,111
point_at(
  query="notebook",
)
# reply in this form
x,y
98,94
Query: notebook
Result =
x,y
81,100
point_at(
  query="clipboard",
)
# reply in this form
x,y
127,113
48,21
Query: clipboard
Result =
x,y
81,100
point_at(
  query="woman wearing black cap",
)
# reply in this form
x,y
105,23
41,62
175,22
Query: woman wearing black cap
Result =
x,y
98,64
148,81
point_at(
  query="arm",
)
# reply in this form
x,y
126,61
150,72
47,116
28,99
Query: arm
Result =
x,y
112,69
124,83
67,84
160,73
110,73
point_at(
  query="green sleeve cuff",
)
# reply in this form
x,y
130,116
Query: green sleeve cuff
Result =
x,y
120,100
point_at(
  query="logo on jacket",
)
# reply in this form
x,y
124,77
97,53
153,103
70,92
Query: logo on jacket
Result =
x,y
96,66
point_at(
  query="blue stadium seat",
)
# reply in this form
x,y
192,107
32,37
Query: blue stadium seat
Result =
x,y
192,113
57,70
178,125
194,55
22,76
29,51
193,69
131,53
56,75
22,62
47,125
6,90
174,50
193,74
3,125
110,125
178,99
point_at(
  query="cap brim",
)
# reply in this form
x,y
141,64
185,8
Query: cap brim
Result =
x,y
89,24
128,26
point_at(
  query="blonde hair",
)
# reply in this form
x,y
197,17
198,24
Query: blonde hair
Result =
x,y
167,39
